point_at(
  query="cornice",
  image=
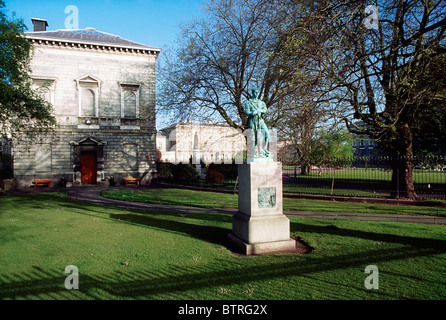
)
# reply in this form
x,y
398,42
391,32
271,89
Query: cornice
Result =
x,y
94,46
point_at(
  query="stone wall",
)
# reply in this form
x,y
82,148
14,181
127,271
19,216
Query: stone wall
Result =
x,y
93,90
125,154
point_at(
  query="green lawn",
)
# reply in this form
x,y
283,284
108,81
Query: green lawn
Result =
x,y
130,254
175,196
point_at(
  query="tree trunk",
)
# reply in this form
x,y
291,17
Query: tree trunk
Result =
x,y
305,169
402,166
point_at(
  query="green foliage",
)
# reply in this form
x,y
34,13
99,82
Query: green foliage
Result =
x,y
22,110
228,170
325,147
179,172
184,172
333,144
164,169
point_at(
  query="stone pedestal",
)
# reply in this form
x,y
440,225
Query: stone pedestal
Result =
x,y
260,227
9,184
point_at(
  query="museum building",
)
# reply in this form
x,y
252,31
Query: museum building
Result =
x,y
102,88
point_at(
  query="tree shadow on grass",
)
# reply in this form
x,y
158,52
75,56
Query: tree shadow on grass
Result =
x,y
206,233
136,284
176,279
417,242
160,220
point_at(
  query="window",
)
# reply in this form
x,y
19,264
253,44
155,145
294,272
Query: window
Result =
x,y
88,105
129,104
43,158
45,87
129,100
88,88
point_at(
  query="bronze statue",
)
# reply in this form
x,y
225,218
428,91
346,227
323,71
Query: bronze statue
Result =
x,y
255,109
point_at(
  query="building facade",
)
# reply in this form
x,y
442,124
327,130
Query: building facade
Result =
x,y
201,142
363,145
102,88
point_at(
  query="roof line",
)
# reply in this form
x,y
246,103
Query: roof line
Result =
x,y
43,35
87,29
143,47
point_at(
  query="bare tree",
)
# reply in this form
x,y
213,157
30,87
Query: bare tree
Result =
x,y
236,46
374,62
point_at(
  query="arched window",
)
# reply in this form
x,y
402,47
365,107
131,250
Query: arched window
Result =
x,y
88,92
88,103
45,88
129,100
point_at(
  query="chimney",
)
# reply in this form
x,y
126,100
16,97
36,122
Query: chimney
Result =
x,y
39,24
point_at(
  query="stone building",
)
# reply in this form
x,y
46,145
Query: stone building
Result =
x,y
102,88
363,145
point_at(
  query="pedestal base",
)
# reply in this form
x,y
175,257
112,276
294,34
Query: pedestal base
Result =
x,y
248,249
260,227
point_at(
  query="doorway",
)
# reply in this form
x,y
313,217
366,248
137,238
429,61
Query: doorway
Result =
x,y
88,167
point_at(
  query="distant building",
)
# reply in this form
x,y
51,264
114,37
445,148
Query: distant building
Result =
x,y
200,142
102,88
363,145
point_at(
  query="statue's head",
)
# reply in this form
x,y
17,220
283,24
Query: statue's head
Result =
x,y
255,92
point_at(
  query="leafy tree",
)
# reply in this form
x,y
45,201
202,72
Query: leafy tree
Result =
x,y
332,145
22,111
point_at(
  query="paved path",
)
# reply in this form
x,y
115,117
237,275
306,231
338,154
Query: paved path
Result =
x,y
93,195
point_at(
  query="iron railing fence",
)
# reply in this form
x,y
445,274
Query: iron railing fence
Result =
x,y
353,177
368,177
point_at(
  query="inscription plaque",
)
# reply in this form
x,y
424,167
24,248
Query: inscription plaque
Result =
x,y
267,197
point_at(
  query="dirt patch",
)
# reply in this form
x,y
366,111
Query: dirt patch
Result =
x,y
302,246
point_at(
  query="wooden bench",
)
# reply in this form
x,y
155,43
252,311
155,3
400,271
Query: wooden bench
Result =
x,y
132,180
42,183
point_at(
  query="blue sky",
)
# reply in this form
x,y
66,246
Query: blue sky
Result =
x,y
151,22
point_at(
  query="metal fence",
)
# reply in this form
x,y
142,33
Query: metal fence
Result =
x,y
356,177
368,177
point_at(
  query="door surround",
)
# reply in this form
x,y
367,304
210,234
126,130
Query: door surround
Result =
x,y
87,159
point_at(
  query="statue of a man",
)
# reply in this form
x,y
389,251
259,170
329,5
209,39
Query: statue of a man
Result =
x,y
255,109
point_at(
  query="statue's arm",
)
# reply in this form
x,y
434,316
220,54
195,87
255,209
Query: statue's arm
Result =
x,y
248,108
263,108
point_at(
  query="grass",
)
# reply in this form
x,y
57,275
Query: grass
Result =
x,y
175,196
131,254
326,191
